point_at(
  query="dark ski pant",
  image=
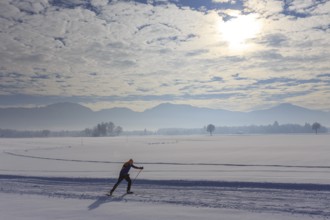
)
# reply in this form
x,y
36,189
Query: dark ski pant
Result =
x,y
127,178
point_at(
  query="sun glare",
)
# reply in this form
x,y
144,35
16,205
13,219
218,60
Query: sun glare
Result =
x,y
237,31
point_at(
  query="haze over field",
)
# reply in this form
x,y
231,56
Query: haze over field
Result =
x,y
69,116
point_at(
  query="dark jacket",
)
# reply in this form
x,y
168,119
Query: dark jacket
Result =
x,y
126,167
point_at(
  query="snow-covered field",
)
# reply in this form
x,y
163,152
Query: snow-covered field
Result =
x,y
185,177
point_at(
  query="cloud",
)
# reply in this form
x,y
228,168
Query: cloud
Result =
x,y
325,75
216,79
274,40
288,81
224,1
144,52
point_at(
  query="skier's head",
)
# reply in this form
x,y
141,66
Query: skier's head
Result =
x,y
130,161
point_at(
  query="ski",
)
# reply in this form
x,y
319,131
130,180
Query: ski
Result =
x,y
127,193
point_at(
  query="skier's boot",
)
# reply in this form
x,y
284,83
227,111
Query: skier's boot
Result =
x,y
110,193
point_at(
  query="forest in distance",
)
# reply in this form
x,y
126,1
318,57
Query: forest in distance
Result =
x,y
110,130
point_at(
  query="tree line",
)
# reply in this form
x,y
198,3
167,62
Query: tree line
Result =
x,y
104,129
109,129
10,133
274,128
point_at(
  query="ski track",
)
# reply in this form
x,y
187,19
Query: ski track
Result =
x,y
297,199
169,163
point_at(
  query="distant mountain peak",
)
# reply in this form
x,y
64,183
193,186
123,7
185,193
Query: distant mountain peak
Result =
x,y
286,104
167,105
61,104
68,106
68,115
289,107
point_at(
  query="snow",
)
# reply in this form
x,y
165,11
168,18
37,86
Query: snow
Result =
x,y
36,207
185,177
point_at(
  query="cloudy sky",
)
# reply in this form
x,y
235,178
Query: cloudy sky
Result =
x,y
227,54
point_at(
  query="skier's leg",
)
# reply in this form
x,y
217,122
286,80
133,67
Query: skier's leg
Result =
x,y
117,184
129,183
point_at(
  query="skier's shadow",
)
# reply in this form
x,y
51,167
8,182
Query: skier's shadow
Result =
x,y
104,199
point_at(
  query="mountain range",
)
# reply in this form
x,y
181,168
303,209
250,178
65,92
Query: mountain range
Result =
x,y
71,116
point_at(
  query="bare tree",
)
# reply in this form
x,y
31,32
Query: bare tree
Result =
x,y
105,129
210,128
118,130
316,126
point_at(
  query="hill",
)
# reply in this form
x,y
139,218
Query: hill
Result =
x,y
70,116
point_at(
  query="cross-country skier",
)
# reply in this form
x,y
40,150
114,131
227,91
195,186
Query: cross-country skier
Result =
x,y
124,175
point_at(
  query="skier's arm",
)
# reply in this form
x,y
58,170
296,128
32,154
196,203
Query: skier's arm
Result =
x,y
137,167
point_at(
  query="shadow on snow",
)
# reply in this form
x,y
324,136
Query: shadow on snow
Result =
x,y
169,183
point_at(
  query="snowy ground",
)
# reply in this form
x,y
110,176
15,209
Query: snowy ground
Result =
x,y
219,177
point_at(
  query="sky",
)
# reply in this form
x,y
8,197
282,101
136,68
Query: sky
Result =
x,y
238,55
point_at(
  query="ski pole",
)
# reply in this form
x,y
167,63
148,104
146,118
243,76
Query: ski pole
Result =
x,y
136,176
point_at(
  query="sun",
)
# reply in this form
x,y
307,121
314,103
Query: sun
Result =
x,y
238,30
